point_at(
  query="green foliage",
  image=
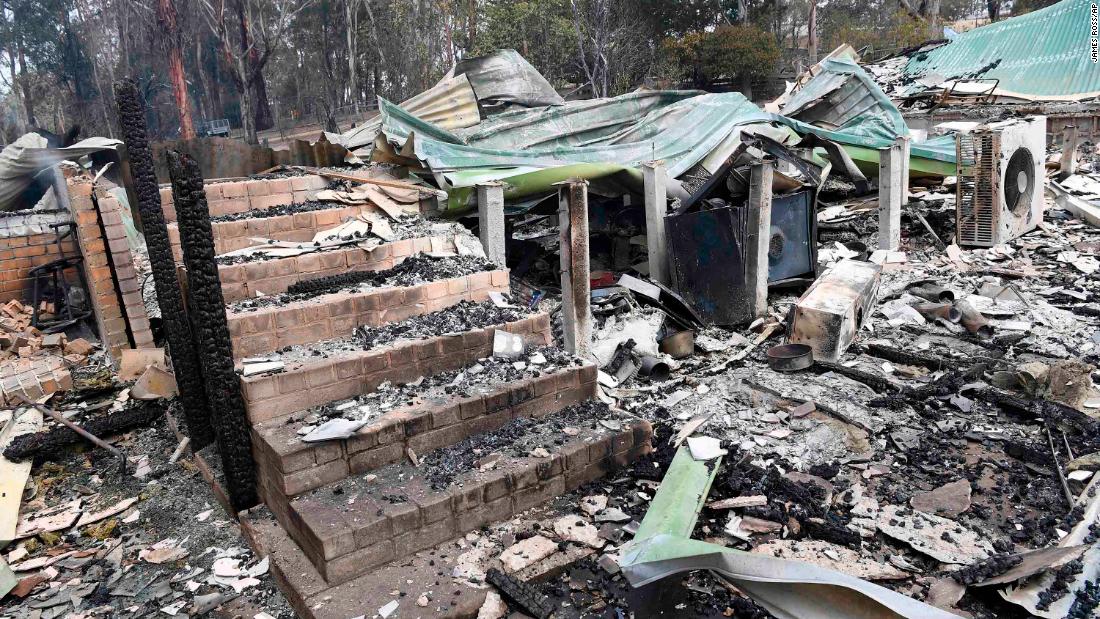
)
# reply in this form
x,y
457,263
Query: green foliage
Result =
x,y
741,51
541,30
860,30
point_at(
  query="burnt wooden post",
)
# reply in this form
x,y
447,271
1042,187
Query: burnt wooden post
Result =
x,y
490,221
893,192
185,360
758,237
1067,165
207,305
656,207
575,285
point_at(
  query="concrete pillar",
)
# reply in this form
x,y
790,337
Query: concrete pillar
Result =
x,y
575,285
1068,164
758,238
656,206
893,192
490,218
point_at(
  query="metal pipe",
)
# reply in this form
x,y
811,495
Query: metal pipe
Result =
x,y
933,293
945,311
974,321
654,369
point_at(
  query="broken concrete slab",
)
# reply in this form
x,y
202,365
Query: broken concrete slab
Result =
x,y
944,540
576,529
949,500
527,552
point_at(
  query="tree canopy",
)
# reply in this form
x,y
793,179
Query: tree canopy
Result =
x,y
278,63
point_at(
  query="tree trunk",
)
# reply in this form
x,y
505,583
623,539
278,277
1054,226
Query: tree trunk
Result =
x,y
812,29
993,7
351,10
263,119
166,19
28,96
248,112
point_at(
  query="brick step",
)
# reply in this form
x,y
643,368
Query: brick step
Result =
x,y
245,280
296,227
288,466
345,370
255,331
348,528
313,598
225,197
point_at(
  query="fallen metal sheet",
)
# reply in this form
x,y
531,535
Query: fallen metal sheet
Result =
x,y
1086,211
787,589
451,104
24,158
1038,56
504,78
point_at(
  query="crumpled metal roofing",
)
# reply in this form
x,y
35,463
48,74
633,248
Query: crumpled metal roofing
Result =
x,y
843,103
451,104
1043,55
531,148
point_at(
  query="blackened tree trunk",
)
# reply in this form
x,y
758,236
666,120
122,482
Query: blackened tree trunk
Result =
x,y
207,305
185,360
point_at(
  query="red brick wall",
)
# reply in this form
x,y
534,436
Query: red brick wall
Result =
x,y
299,227
115,294
243,281
239,196
19,254
338,314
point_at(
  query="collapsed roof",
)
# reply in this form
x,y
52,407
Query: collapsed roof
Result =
x,y
537,140
1044,55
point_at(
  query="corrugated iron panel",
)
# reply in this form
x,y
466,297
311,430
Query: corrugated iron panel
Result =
x,y
1042,55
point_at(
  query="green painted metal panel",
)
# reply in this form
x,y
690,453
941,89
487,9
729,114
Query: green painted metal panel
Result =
x,y
1044,54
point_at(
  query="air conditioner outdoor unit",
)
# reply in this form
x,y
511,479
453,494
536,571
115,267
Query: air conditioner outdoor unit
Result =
x,y
1000,180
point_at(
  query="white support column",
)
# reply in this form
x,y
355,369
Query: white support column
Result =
x,y
893,192
1068,164
575,286
490,218
656,206
758,237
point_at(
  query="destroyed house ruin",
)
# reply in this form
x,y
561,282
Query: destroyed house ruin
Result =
x,y
670,353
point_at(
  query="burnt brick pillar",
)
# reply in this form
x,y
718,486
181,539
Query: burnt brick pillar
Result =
x,y
207,310
185,360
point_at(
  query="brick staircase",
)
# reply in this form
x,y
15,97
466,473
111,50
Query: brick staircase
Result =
x,y
343,516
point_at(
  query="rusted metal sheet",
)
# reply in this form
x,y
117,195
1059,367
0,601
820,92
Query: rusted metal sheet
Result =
x,y
228,158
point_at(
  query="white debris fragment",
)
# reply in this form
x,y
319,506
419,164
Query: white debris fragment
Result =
x,y
593,504
575,529
388,609
705,447
493,607
527,552
944,540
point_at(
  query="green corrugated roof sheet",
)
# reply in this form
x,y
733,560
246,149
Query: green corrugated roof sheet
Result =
x,y
1042,55
608,139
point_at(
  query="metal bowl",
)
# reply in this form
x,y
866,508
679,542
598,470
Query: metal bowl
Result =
x,y
790,357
